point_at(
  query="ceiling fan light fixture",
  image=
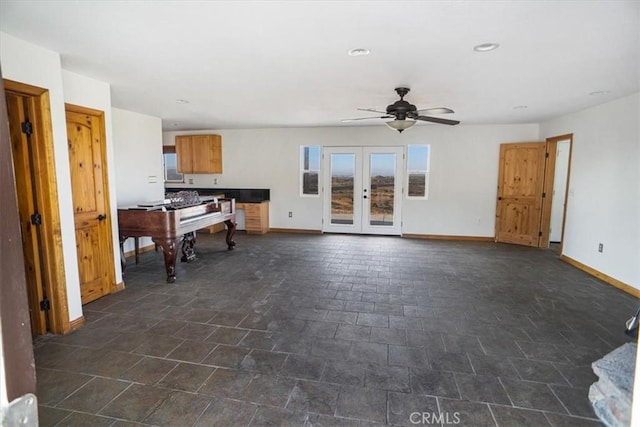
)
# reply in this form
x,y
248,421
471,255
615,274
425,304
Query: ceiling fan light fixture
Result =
x,y
400,125
486,47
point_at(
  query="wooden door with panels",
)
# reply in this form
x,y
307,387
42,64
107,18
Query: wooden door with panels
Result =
x,y
20,111
32,145
520,193
87,162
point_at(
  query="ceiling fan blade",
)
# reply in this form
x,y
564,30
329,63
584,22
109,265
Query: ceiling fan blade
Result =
x,y
438,110
372,110
437,120
365,118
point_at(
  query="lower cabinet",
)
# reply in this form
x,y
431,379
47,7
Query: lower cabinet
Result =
x,y
256,217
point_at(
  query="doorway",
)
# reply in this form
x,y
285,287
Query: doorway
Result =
x,y
532,192
556,188
363,190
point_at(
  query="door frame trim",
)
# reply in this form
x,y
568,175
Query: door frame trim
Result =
x,y
549,177
47,198
359,177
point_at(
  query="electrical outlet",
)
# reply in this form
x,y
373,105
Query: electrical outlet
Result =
x,y
215,181
290,214
600,247
190,180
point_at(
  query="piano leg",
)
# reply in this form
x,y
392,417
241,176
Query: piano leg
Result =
x,y
231,230
188,247
170,252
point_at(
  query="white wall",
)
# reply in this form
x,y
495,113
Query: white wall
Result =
x,y
464,171
604,187
27,63
85,92
138,156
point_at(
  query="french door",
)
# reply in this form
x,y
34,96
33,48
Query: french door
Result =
x,y
363,190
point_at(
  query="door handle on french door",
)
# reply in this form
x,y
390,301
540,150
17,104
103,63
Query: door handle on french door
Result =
x,y
102,217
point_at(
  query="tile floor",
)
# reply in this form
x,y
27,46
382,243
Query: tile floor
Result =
x,y
337,330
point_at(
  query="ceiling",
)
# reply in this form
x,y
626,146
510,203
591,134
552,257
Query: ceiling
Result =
x,y
258,64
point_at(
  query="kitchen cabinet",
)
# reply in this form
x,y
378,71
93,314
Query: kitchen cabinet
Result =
x,y
256,217
199,153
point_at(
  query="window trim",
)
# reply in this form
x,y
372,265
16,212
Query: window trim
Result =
x,y
426,172
302,170
170,149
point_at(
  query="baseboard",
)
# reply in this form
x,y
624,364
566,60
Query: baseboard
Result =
x,y
295,230
607,279
117,287
449,237
142,250
76,324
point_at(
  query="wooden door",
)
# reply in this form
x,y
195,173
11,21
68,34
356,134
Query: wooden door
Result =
x,y
20,111
520,187
87,160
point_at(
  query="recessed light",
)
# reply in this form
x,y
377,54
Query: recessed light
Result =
x,y
359,52
599,92
486,47
182,101
520,107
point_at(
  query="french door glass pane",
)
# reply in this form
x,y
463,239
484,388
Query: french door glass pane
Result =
x,y
382,184
342,181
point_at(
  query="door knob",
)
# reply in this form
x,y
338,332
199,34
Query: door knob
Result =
x,y
365,196
102,217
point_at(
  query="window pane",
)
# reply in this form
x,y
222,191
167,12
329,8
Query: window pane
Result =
x,y
417,170
310,183
382,183
309,169
418,158
342,175
314,158
417,184
171,168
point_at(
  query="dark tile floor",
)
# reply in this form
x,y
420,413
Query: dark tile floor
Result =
x,y
338,330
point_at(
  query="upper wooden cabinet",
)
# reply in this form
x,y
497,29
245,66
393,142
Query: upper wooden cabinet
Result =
x,y
199,153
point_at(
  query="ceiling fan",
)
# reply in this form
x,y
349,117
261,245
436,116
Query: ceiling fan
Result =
x,y
402,110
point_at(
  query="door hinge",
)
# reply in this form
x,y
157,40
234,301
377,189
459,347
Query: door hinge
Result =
x,y
539,233
36,219
546,155
544,195
27,127
45,305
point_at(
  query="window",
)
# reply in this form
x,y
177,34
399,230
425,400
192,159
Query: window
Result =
x,y
418,171
309,169
170,160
